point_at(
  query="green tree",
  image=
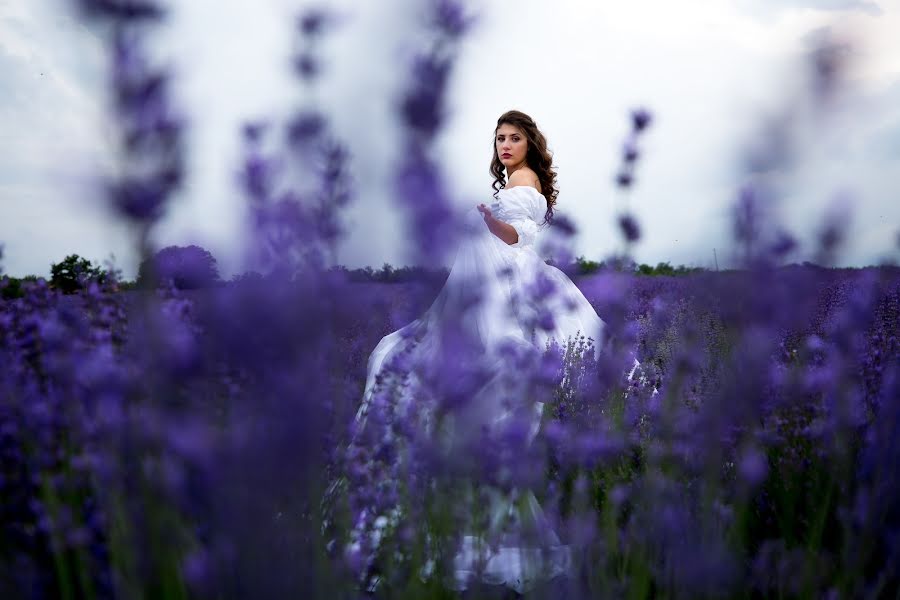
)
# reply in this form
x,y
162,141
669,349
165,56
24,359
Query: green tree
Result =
x,y
665,268
74,273
587,267
10,288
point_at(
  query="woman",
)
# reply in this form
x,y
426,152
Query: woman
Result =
x,y
500,300
498,261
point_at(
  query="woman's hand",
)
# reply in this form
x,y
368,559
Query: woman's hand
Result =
x,y
504,231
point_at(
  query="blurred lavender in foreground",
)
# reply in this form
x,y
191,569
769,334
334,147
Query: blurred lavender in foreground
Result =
x,y
641,119
422,111
150,128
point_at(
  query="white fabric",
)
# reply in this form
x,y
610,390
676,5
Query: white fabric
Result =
x,y
504,271
532,553
504,274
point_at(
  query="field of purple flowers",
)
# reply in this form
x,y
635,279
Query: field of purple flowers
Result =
x,y
203,443
756,470
181,443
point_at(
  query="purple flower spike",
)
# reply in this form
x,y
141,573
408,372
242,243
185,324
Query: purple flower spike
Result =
x,y
564,225
307,66
305,127
313,22
832,235
423,109
253,132
450,18
753,467
124,10
747,215
829,60
640,119
630,228
140,200
624,179
784,244
630,151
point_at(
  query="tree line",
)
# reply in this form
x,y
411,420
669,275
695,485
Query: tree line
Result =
x,y
188,267
193,267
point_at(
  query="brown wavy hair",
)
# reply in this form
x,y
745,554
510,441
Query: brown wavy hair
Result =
x,y
538,158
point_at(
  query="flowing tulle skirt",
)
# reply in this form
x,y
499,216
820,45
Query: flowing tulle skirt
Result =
x,y
496,297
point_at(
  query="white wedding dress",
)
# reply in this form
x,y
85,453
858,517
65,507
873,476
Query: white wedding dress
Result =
x,y
495,297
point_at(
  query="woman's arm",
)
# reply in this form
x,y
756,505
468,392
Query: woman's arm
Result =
x,y
504,231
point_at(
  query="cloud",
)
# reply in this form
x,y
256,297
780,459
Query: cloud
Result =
x,y
768,9
887,143
866,6
50,119
883,141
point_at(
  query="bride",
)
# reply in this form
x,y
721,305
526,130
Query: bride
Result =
x,y
500,299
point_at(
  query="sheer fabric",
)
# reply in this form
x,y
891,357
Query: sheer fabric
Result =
x,y
496,296
506,277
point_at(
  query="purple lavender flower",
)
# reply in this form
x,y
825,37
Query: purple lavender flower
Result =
x,y
564,225
313,22
630,152
753,467
640,119
629,228
624,179
450,18
123,10
254,131
307,66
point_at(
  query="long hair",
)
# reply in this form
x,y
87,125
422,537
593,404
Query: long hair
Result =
x,y
539,159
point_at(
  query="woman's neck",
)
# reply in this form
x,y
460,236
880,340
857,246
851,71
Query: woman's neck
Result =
x,y
509,172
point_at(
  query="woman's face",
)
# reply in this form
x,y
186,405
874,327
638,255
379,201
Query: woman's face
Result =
x,y
511,146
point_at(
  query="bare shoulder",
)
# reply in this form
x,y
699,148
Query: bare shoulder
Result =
x,y
524,176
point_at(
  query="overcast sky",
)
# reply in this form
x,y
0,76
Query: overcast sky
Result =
x,y
712,72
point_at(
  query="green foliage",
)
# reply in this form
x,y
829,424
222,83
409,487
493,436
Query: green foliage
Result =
x,y
587,267
126,286
582,266
390,274
74,273
664,268
11,288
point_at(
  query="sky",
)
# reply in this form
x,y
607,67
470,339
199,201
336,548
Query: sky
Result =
x,y
715,74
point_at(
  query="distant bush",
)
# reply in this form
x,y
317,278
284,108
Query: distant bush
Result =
x,y
10,288
587,267
125,286
247,277
584,266
15,287
664,268
390,274
581,266
187,268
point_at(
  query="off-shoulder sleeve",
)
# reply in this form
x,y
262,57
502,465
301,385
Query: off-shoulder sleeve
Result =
x,y
527,230
525,212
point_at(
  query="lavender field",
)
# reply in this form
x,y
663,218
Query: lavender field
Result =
x,y
189,444
736,432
